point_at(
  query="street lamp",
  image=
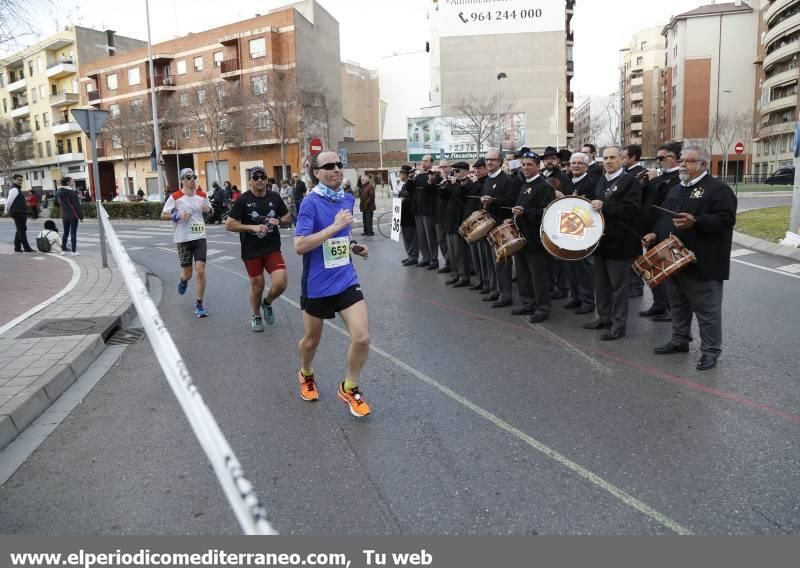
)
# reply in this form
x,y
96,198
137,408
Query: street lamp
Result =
x,y
728,121
498,141
156,126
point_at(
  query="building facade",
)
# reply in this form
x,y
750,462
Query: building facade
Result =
x,y
360,95
39,86
520,53
238,62
708,80
777,71
597,121
641,85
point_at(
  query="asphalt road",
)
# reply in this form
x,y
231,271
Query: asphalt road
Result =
x,y
481,424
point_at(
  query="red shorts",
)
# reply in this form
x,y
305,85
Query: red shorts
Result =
x,y
269,262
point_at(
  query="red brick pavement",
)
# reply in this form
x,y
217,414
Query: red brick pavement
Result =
x,y
27,280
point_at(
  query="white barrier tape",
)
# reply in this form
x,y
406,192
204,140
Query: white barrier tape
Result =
x,y
240,492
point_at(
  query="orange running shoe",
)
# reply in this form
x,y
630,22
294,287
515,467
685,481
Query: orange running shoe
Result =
x,y
355,401
308,387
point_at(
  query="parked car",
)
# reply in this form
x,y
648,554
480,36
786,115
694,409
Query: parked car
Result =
x,y
782,176
127,198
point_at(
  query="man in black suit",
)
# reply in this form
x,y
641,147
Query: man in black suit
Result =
x,y
595,167
581,272
407,227
631,154
500,195
619,197
562,183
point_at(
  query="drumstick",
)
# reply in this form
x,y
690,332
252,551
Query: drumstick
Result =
x,y
665,210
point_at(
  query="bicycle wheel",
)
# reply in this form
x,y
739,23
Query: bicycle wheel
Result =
x,y
385,224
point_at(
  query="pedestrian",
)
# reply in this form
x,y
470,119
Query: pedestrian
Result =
x,y
228,189
298,191
407,227
185,208
71,213
347,187
50,233
17,209
33,204
256,216
217,203
329,283
235,194
140,193
367,205
286,196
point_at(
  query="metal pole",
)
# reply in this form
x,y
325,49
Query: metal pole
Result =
x,y
497,129
97,192
380,132
156,130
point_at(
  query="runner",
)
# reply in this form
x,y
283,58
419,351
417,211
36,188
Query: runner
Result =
x,y
185,208
330,283
256,216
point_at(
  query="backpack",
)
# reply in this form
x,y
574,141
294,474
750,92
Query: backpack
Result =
x,y
43,244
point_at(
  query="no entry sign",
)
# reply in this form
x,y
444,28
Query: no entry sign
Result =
x,y
739,148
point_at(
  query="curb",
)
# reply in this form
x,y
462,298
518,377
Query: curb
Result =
x,y
30,403
766,247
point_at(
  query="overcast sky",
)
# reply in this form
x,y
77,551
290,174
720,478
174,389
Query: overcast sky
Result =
x,y
370,29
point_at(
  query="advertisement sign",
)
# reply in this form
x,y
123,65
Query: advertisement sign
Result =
x,y
484,17
453,138
396,211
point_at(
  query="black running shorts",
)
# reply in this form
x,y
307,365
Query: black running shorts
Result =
x,y
326,307
188,250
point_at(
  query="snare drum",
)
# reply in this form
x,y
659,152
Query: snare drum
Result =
x,y
476,226
663,260
506,240
571,229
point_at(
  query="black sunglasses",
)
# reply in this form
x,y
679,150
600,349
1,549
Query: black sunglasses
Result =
x,y
330,166
258,177
659,158
189,177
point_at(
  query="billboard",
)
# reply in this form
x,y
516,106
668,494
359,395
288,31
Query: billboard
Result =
x,y
484,17
453,138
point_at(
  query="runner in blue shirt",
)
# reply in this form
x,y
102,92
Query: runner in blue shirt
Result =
x,y
329,283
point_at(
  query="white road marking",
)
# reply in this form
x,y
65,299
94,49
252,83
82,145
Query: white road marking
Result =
x,y
224,258
790,268
741,252
579,470
211,252
596,365
765,268
134,236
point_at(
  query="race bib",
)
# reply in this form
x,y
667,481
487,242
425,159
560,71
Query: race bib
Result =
x,y
197,229
336,252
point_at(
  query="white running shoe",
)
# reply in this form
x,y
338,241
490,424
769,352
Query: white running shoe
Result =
x,y
76,254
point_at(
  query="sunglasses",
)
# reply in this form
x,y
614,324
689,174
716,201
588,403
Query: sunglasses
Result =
x,y
258,177
660,158
331,166
189,177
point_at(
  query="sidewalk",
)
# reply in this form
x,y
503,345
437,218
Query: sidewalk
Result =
x,y
43,355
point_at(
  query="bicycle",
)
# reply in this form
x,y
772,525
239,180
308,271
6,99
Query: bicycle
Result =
x,y
385,224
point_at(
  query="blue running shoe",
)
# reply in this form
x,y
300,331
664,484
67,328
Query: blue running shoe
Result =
x,y
269,317
182,284
200,311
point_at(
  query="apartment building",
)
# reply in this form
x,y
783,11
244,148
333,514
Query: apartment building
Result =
x,y
641,85
39,87
242,58
481,58
708,80
360,93
777,71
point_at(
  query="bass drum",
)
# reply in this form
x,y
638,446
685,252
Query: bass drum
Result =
x,y
571,229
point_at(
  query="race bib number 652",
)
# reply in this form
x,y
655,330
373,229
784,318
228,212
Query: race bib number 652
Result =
x,y
336,252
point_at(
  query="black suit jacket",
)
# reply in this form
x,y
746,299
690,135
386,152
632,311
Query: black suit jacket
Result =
x,y
534,197
622,207
504,190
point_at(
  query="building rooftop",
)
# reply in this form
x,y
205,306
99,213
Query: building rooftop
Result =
x,y
712,10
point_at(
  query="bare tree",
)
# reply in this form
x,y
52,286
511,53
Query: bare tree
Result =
x,y
214,110
726,129
598,123
16,18
614,119
317,107
477,120
128,129
12,148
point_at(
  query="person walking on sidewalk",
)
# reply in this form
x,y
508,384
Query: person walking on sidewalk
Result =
x,y
367,205
329,283
17,209
71,213
33,204
256,216
185,208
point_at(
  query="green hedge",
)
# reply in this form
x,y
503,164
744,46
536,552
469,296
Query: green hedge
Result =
x,y
118,210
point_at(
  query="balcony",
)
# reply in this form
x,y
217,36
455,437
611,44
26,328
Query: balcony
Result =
x,y
23,136
780,54
64,99
637,97
230,69
636,126
66,127
570,68
70,157
782,28
637,81
773,129
789,101
20,111
94,97
163,83
775,9
17,86
786,76
61,69
26,163
636,111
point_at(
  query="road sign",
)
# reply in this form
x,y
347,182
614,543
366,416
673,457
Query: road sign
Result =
x,y
315,146
739,148
397,204
343,157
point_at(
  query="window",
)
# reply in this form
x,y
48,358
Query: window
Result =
x,y
198,63
639,61
183,99
180,66
49,148
111,82
187,132
116,142
674,91
201,96
201,129
80,144
261,121
138,138
42,91
259,84
69,146
220,92
217,58
33,95
133,76
39,151
53,89
136,105
36,120
45,120
643,46
30,70
258,48
113,110
36,173
5,105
